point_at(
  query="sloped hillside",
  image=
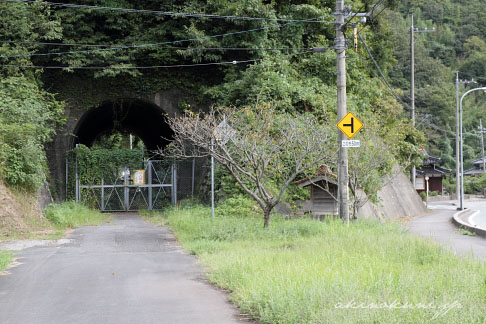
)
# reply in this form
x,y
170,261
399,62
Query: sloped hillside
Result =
x,y
20,215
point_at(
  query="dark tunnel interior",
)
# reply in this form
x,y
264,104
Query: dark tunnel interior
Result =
x,y
145,120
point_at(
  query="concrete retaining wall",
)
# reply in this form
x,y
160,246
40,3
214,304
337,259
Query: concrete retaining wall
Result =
x,y
397,199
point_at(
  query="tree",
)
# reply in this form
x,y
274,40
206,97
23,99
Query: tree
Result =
x,y
370,168
266,151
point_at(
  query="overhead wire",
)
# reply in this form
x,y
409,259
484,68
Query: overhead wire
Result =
x,y
151,44
139,67
382,76
165,47
157,12
397,97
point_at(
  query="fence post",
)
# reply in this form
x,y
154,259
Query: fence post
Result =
x,y
149,180
192,176
125,191
102,194
77,190
67,176
174,183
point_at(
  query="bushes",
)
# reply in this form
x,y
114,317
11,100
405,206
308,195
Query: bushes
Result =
x,y
28,116
238,206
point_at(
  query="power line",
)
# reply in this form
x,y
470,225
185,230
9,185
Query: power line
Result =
x,y
404,104
376,16
158,12
382,76
125,67
137,67
150,45
165,47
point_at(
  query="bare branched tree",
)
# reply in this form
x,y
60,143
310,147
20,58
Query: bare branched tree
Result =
x,y
263,150
371,167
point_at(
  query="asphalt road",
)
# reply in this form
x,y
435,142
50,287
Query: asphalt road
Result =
x,y
125,272
437,225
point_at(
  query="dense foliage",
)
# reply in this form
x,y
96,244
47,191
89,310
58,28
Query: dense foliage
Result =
x,y
278,67
457,44
28,113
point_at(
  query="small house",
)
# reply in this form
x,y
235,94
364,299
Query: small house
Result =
x,y
323,192
477,168
432,170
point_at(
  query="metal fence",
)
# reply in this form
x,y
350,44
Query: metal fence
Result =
x,y
159,184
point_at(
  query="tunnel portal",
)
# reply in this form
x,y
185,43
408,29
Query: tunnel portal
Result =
x,y
145,120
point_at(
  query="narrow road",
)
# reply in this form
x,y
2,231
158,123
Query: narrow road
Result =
x,y
437,225
124,272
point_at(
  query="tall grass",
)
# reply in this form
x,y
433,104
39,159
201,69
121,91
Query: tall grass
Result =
x,y
5,259
305,271
72,214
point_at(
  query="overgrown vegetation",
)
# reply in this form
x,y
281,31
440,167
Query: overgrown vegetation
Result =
x,y
72,214
263,149
304,271
28,113
98,163
5,259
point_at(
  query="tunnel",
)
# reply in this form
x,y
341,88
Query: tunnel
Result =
x,y
142,119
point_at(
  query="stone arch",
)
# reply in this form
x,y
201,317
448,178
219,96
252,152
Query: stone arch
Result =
x,y
144,119
147,121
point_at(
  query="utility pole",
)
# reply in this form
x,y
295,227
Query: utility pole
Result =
x,y
458,130
481,130
340,47
412,90
413,30
458,171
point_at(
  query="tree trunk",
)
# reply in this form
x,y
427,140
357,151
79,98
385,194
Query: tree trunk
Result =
x,y
266,213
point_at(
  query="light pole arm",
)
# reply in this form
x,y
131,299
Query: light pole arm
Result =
x,y
461,143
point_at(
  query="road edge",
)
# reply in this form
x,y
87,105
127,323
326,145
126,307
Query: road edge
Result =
x,y
456,220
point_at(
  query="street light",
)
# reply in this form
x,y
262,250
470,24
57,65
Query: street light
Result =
x,y
461,144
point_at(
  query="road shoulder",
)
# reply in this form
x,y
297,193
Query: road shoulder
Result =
x,y
438,226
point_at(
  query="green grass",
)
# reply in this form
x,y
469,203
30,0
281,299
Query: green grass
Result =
x,y
71,214
5,259
155,217
302,271
464,231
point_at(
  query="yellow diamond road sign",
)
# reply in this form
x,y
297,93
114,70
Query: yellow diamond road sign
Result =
x,y
350,125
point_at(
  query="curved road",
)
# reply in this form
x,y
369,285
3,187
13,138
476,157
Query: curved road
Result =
x,y
436,224
479,205
124,272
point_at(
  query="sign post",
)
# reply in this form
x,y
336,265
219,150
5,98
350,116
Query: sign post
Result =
x,y
427,192
222,134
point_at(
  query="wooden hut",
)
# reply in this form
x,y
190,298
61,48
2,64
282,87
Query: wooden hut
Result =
x,y
323,192
431,168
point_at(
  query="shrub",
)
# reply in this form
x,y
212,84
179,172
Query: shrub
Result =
x,y
238,206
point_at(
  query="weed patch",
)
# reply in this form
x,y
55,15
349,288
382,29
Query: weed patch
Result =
x,y
305,271
71,214
5,259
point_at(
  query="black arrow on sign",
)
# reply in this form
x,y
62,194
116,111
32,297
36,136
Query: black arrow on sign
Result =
x,y
350,125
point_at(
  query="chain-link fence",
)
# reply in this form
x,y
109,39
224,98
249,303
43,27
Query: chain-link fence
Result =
x,y
159,184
